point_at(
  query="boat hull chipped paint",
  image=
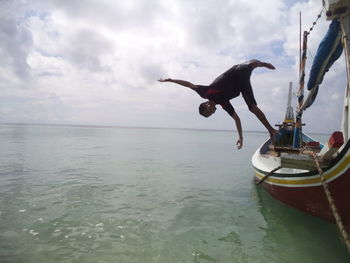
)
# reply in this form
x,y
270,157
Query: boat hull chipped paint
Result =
x,y
303,189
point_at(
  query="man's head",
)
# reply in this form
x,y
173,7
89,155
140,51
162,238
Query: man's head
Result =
x,y
207,108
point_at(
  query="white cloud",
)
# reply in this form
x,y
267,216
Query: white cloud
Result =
x,y
98,61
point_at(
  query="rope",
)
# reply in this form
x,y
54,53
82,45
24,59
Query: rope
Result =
x,y
268,175
334,209
301,105
315,22
311,55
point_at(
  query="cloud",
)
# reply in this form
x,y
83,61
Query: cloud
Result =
x,y
15,40
98,61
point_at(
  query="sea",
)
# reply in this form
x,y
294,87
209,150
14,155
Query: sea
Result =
x,y
107,194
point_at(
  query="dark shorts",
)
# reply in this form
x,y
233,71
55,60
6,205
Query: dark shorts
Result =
x,y
248,95
229,85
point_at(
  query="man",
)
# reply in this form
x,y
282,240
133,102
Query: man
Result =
x,y
227,86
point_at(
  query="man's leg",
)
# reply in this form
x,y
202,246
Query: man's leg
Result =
x,y
248,95
261,116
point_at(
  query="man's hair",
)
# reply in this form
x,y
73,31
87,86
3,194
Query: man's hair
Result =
x,y
202,108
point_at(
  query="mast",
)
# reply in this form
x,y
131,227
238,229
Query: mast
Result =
x,y
289,112
340,10
300,94
299,42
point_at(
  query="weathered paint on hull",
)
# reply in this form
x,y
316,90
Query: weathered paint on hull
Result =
x,y
313,199
305,192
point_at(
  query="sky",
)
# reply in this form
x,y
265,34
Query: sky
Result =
x,y
97,62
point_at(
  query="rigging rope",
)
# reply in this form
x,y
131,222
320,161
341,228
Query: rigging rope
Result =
x,y
301,104
315,22
312,28
330,199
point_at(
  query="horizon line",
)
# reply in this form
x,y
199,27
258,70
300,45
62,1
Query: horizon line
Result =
x,y
133,127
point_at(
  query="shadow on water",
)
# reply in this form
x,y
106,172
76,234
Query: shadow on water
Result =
x,y
293,234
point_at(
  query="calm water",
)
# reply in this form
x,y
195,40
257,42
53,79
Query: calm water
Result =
x,y
87,194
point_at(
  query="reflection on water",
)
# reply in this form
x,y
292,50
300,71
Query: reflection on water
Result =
x,y
297,234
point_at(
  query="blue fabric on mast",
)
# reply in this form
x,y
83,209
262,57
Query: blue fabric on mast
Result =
x,y
324,50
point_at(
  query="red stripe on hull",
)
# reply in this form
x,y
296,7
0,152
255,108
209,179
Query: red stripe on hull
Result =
x,y
313,199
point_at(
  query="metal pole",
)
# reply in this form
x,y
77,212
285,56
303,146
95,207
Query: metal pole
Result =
x,y
345,28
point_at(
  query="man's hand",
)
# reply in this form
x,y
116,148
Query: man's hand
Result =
x,y
239,144
164,80
180,82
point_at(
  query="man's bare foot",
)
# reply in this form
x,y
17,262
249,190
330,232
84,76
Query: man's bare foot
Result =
x,y
270,66
273,135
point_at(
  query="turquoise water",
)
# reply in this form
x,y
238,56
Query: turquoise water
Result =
x,y
92,194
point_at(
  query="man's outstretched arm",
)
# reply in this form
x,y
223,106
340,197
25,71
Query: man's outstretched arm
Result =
x,y
239,130
257,63
180,82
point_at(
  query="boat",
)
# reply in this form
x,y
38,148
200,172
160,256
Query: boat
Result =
x,y
300,171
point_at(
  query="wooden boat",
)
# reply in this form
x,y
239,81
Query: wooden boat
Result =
x,y
306,174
